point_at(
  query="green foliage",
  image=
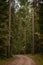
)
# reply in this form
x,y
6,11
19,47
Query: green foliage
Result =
x,y
21,28
3,26
21,20
41,26
23,2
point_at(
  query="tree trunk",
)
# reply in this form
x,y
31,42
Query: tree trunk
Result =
x,y
24,33
33,30
9,49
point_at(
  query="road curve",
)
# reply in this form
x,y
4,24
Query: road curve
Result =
x,y
22,60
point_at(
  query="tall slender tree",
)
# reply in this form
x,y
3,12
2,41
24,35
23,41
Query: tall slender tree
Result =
x,y
9,22
33,29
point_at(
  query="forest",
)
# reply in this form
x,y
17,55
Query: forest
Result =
x,y
21,27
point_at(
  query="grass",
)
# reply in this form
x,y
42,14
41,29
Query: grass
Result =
x,y
37,58
5,60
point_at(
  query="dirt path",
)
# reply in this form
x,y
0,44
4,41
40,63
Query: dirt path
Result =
x,y
21,60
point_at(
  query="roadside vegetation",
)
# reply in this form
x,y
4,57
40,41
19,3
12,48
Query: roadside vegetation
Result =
x,y
37,58
5,60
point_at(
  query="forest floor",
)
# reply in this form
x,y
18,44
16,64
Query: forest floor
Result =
x,y
29,59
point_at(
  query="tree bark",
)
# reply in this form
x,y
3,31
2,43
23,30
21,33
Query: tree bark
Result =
x,y
24,33
33,30
9,22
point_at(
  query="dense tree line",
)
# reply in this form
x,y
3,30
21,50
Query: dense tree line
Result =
x,y
41,24
3,26
16,27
